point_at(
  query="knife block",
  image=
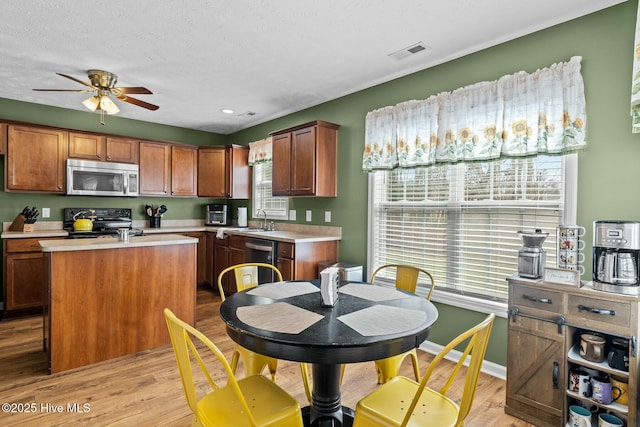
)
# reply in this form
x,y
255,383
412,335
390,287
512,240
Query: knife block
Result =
x,y
19,224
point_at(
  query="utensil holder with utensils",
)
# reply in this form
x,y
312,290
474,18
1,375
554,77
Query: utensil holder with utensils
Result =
x,y
25,220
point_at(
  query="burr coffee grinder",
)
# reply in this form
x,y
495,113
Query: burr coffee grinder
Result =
x,y
532,258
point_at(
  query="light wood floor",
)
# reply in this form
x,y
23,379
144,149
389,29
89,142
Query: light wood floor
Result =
x,y
144,389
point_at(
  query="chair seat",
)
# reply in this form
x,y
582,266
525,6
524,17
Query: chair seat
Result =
x,y
269,404
386,406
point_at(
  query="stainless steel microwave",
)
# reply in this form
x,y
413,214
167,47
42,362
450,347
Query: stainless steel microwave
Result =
x,y
91,178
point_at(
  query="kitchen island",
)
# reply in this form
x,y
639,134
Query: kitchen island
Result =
x,y
104,298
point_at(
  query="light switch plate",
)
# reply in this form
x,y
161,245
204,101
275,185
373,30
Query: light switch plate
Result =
x,y
308,216
292,215
46,212
327,216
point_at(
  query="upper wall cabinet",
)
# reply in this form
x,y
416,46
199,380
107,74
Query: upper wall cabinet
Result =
x,y
3,138
224,172
35,159
305,160
184,171
102,148
168,170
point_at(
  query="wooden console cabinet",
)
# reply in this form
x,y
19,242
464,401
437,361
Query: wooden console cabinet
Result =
x,y
546,321
305,160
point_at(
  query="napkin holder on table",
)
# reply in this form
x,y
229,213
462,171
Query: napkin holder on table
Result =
x,y
329,279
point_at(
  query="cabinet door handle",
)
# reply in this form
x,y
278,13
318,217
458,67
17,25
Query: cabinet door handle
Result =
x,y
596,310
556,372
536,299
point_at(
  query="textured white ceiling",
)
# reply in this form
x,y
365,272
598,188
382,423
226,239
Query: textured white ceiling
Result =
x,y
268,57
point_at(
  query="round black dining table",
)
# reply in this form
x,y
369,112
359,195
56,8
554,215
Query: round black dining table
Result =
x,y
288,321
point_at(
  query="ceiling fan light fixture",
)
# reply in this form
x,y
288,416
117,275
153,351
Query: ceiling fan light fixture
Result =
x,y
108,106
92,103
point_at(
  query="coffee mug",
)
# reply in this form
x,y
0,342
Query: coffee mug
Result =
x,y
580,382
579,416
592,347
609,420
618,357
571,231
620,391
602,391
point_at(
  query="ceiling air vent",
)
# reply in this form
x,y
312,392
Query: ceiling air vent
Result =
x,y
409,50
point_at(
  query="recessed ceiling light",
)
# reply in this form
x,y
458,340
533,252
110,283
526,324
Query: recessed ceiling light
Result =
x,y
227,111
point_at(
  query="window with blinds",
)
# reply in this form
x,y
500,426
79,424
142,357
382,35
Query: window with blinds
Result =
x,y
275,207
460,221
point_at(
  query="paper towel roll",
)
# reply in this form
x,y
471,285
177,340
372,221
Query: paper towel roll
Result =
x,y
242,217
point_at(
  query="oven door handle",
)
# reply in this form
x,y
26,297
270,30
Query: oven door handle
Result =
x,y
263,248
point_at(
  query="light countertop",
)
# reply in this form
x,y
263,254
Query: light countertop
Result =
x,y
292,233
59,245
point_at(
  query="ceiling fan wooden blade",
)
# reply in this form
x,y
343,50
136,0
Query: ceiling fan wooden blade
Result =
x,y
136,90
63,90
137,102
77,80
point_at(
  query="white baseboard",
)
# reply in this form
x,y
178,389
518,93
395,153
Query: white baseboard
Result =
x,y
488,368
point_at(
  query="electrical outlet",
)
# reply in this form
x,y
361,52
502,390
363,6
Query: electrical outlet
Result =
x,y
308,216
292,215
46,212
327,216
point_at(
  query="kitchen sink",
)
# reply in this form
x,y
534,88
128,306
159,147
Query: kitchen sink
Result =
x,y
251,230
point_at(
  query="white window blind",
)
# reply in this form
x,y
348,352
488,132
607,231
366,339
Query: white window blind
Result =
x,y
460,221
275,207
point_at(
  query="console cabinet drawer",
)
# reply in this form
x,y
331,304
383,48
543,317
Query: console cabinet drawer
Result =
x,y
598,313
537,298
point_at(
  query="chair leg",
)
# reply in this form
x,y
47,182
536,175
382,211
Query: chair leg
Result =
x,y
234,360
414,362
273,366
390,367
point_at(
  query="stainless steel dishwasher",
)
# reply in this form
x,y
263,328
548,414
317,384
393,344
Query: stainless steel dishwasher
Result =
x,y
261,250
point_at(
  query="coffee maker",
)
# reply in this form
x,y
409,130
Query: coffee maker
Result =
x,y
532,258
616,252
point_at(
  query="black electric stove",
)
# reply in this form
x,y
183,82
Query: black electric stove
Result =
x,y
106,222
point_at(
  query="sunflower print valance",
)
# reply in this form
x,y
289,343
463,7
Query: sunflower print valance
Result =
x,y
518,115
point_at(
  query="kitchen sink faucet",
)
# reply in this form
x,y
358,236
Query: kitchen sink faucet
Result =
x,y
264,226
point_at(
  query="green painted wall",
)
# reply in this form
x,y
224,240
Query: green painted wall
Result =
x,y
607,168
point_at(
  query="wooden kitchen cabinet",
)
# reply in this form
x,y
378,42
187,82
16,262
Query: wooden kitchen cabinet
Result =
x,y
168,170
35,159
210,241
23,275
3,138
299,261
221,261
546,321
184,171
224,172
305,160
155,169
102,148
201,275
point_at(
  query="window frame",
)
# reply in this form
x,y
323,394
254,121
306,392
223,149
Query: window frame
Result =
x,y
257,207
472,302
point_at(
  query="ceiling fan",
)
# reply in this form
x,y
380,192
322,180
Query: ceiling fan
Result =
x,y
102,84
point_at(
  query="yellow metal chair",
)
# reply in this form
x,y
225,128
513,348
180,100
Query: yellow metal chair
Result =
x,y
407,280
404,402
251,401
246,276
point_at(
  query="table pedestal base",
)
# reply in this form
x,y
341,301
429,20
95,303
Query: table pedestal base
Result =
x,y
347,418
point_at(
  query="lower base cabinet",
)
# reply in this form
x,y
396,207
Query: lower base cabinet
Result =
x,y
546,323
23,275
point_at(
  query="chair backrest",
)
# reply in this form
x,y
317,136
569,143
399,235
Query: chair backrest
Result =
x,y
181,335
406,277
246,275
477,339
